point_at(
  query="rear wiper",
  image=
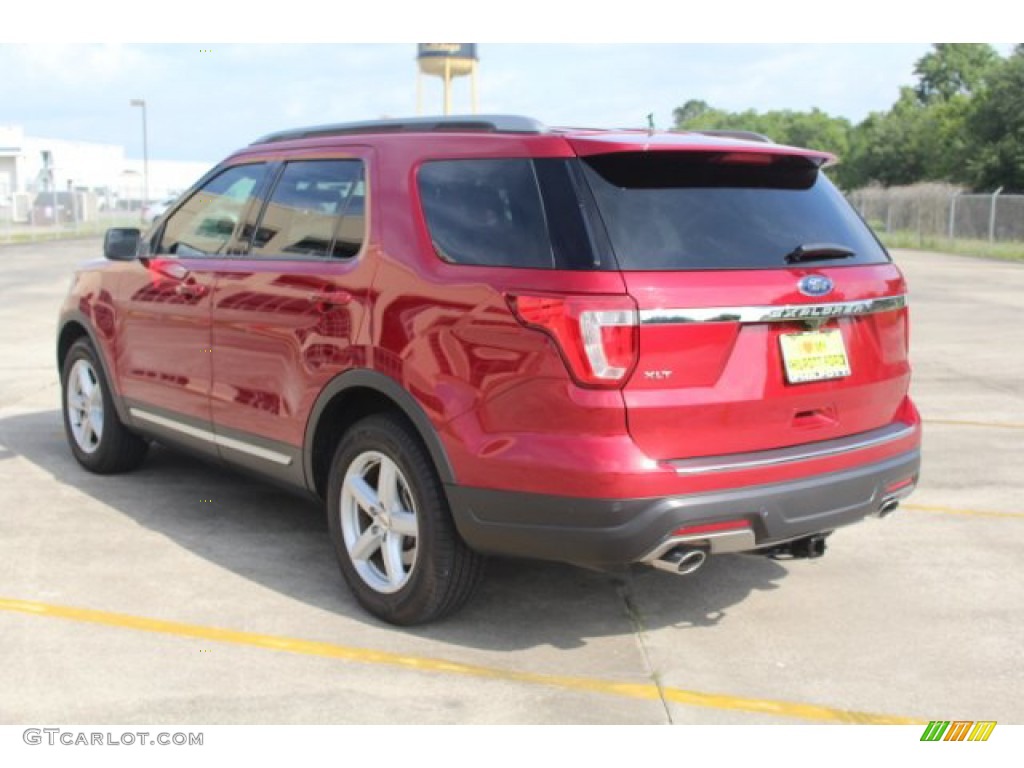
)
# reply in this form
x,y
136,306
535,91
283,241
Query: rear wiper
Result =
x,y
818,252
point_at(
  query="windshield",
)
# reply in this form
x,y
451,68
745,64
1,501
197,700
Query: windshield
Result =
x,y
721,210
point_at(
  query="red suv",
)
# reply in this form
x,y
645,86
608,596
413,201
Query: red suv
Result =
x,y
481,335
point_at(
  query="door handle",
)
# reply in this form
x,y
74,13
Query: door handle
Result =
x,y
171,269
324,300
186,284
190,288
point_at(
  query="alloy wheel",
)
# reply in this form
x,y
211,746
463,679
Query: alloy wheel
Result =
x,y
85,406
378,522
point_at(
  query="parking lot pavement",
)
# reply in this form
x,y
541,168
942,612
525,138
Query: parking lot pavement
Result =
x,y
184,593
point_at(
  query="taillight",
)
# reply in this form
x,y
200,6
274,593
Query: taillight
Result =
x,y
597,335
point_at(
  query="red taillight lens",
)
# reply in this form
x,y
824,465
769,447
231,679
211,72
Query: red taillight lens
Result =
x,y
597,335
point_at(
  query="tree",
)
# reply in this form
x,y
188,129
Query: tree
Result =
x,y
690,112
954,68
814,129
886,148
962,122
996,126
912,142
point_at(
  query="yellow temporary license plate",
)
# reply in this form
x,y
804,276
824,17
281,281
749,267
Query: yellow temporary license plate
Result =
x,y
814,356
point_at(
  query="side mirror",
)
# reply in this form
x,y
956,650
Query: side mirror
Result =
x,y
121,244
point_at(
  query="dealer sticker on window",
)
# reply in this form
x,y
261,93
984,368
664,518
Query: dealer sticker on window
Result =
x,y
814,356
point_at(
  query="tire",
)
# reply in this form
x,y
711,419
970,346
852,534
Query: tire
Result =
x,y
393,533
98,439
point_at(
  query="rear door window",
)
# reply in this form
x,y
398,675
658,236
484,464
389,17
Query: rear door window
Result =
x,y
316,210
709,210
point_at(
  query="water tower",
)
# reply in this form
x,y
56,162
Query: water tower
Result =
x,y
447,61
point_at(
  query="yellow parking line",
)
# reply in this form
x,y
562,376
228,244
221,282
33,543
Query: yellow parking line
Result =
x,y
423,664
957,511
956,423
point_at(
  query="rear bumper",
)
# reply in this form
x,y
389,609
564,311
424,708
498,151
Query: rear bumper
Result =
x,y
619,531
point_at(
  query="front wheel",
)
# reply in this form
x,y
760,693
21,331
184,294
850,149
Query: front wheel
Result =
x,y
391,526
98,439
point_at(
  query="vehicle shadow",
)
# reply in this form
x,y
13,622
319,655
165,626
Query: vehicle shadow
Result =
x,y
521,604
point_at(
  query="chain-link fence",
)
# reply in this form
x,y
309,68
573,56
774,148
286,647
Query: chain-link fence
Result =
x,y
942,211
23,221
923,210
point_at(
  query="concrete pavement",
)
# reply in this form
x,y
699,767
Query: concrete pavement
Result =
x,y
917,616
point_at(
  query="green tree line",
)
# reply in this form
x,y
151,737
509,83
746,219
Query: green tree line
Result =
x,y
962,122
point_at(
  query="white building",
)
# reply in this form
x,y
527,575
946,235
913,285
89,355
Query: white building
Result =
x,y
30,165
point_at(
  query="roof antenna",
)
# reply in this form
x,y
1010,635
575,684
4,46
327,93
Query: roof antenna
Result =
x,y
650,123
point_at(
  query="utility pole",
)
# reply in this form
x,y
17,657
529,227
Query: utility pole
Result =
x,y
145,156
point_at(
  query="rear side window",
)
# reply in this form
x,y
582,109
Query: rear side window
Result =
x,y
316,210
676,211
486,212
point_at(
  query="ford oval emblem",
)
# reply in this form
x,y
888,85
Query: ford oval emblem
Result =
x,y
815,285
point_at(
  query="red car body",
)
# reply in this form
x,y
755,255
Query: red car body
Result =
x,y
685,435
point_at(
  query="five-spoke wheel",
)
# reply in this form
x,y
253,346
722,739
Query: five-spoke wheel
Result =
x,y
85,406
392,529
378,521
98,439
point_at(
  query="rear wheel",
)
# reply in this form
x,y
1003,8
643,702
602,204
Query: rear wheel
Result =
x,y
392,529
98,439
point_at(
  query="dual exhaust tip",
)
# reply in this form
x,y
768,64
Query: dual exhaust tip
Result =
x,y
681,560
888,507
684,559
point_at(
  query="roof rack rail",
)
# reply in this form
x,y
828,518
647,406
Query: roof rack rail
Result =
x,y
481,123
731,134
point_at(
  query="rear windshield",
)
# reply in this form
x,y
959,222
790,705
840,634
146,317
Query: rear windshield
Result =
x,y
670,211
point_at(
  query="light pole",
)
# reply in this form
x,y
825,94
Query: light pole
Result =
x,y
145,156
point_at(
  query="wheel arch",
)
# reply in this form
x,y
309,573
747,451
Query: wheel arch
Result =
x,y
75,326
350,397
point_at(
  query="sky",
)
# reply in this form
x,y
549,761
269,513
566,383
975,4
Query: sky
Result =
x,y
206,99
204,102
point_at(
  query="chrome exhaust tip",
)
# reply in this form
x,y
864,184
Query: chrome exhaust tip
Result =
x,y
681,560
888,507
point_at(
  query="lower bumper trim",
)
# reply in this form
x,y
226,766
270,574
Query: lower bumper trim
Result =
x,y
619,531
